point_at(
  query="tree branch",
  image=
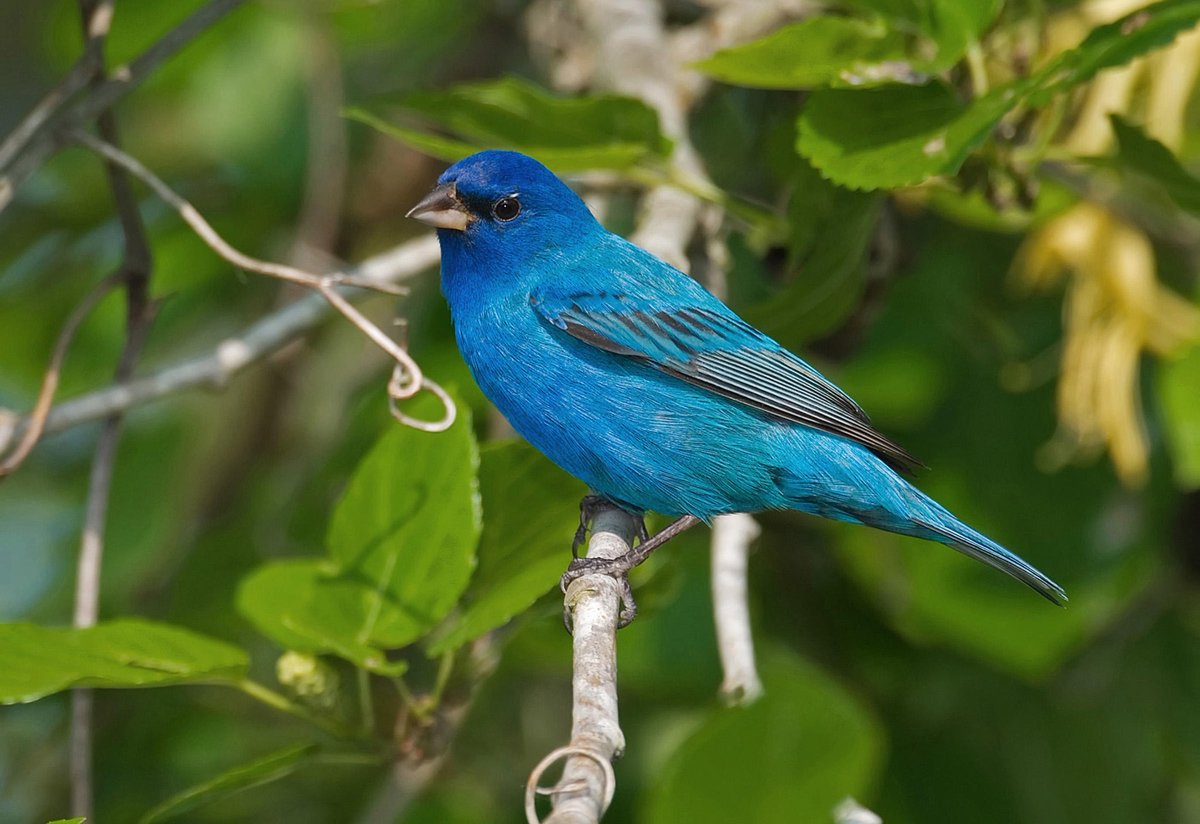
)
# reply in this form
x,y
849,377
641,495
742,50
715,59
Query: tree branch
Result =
x,y
407,379
42,132
30,430
134,271
233,354
587,785
731,539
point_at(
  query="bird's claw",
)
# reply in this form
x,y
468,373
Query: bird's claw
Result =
x,y
589,505
615,568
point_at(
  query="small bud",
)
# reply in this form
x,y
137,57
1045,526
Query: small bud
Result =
x,y
308,678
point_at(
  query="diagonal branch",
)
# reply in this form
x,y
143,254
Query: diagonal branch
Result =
x,y
30,430
42,132
408,378
233,354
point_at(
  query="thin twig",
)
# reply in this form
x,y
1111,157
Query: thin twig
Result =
x,y
423,737
97,20
731,539
30,149
323,284
134,271
32,427
209,235
231,355
75,80
587,785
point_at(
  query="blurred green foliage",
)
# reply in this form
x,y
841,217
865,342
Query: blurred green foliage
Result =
x,y
351,578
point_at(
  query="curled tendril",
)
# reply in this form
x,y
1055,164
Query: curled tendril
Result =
x,y
533,790
403,385
407,378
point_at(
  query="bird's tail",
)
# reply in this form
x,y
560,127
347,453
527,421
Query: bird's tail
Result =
x,y
867,492
937,523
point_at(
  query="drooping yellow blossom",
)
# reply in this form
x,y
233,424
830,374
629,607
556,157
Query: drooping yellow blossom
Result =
x,y
1115,308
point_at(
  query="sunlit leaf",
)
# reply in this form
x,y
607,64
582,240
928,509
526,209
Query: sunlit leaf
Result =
x,y
820,51
531,509
1115,44
895,135
899,135
36,661
408,524
566,133
952,25
948,24
303,604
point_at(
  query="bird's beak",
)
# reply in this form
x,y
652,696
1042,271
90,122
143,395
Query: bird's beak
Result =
x,y
442,209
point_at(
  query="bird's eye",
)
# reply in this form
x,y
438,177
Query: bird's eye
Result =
x,y
506,208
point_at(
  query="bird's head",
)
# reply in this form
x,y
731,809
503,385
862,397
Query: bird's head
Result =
x,y
501,205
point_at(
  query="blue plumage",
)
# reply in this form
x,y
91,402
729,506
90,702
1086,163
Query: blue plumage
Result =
x,y
631,376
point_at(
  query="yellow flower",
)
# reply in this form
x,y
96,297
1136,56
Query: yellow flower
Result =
x,y
1114,307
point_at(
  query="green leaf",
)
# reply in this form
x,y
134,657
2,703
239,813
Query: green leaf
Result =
x,y
567,134
531,510
829,50
790,756
820,51
78,820
898,135
953,25
37,661
402,542
1178,380
1139,153
304,605
1116,44
443,148
273,767
408,526
895,135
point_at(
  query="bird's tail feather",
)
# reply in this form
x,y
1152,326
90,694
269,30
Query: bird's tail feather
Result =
x,y
884,500
942,526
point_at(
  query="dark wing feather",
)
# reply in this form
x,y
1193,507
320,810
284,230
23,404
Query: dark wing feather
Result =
x,y
717,351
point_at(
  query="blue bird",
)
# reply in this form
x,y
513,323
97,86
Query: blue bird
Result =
x,y
634,378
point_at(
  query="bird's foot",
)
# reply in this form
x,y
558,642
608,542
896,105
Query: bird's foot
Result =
x,y
615,568
618,568
589,506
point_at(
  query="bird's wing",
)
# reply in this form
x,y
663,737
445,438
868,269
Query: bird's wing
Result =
x,y
710,347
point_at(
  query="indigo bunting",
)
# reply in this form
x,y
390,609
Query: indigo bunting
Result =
x,y
634,378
